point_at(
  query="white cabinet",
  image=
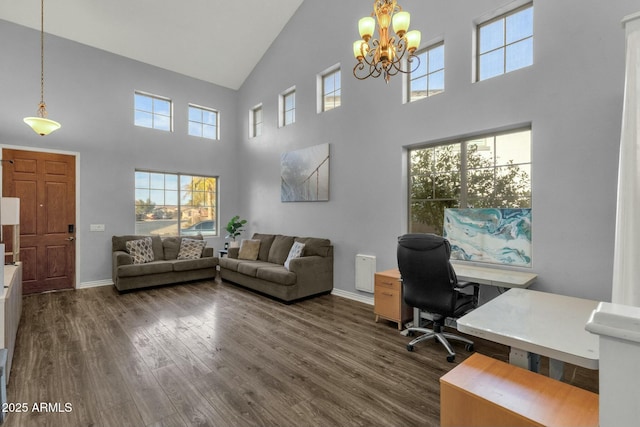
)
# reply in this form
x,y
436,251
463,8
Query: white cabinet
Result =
x,y
10,311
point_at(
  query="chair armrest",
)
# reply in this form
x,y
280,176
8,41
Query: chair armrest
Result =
x,y
313,272
233,252
119,258
462,285
207,253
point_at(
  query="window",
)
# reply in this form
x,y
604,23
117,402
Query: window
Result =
x,y
255,121
203,122
152,111
492,171
169,204
428,78
330,90
505,43
288,107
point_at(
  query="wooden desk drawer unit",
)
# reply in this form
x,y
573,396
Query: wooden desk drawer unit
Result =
x,y
388,301
482,391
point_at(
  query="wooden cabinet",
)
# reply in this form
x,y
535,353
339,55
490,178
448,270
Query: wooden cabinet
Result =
x,y
482,391
10,311
388,301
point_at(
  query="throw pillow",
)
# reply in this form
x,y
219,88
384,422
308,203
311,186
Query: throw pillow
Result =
x,y
140,250
191,248
249,249
295,252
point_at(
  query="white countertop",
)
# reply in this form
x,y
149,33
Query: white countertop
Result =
x,y
539,322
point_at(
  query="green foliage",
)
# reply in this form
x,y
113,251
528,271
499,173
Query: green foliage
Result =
x,y
144,207
234,227
437,183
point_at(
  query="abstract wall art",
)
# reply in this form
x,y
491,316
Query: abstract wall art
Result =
x,y
304,175
497,236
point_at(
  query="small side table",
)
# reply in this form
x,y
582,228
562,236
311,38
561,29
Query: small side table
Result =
x,y
222,253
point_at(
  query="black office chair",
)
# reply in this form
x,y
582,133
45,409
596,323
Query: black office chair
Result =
x,y
429,283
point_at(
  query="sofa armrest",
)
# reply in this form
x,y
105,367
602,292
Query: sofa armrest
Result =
x,y
313,272
119,258
233,252
207,253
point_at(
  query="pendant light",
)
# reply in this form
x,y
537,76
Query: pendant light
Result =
x,y
41,124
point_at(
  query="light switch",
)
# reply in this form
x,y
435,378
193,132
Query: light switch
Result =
x,y
96,227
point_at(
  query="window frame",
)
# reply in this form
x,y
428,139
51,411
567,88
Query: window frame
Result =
x,y
179,190
321,88
409,77
153,114
502,16
255,125
462,199
202,123
282,104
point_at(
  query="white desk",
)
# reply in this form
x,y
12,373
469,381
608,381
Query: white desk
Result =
x,y
493,276
540,323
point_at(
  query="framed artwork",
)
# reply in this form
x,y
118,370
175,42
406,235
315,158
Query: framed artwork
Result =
x,y
496,236
304,175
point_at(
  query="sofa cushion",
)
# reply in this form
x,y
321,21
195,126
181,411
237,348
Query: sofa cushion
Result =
x,y
171,246
250,268
140,250
191,248
119,243
277,274
154,267
295,252
249,249
266,240
194,264
280,249
315,246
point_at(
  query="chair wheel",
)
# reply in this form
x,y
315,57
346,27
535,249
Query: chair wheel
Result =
x,y
409,347
450,359
468,347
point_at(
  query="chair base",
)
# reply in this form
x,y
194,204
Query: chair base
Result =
x,y
440,336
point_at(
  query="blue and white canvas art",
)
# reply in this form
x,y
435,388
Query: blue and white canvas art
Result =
x,y
496,236
304,174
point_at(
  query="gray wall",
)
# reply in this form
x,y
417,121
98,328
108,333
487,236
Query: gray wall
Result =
x,y
571,96
90,92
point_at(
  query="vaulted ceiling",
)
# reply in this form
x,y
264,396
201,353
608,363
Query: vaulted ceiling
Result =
x,y
212,40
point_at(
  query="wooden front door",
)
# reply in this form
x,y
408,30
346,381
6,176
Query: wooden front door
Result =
x,y
45,184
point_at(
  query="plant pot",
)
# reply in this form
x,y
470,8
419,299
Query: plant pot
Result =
x,y
234,244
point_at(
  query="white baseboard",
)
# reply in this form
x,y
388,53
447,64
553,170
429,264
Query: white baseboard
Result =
x,y
353,296
95,284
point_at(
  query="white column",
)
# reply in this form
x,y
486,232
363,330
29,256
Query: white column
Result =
x,y
617,326
626,268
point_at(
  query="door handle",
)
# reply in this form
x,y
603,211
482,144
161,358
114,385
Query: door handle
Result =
x,y
71,239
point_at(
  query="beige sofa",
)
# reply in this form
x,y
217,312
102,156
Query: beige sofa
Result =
x,y
309,275
164,269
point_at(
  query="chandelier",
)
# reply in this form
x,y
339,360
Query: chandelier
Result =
x,y
384,56
40,124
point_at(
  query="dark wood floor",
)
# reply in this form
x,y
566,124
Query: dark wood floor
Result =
x,y
212,354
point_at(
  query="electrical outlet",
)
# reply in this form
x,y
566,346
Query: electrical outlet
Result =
x,y
96,227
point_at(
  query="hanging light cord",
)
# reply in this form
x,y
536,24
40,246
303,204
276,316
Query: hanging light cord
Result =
x,y
42,112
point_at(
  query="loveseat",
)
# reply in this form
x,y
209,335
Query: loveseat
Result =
x,y
162,265
271,266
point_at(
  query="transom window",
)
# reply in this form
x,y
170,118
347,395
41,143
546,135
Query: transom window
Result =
x,y
151,111
490,171
505,43
288,107
170,204
428,78
331,97
203,122
255,121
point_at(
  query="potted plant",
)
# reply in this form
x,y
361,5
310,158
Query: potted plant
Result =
x,y
234,228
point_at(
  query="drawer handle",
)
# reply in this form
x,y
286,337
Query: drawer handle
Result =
x,y
387,294
388,283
